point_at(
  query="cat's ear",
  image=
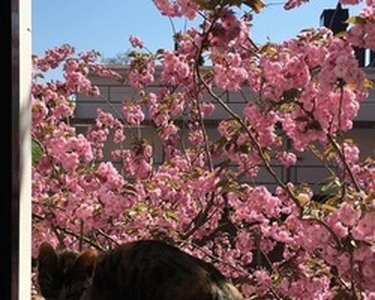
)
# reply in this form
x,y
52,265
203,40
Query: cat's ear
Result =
x,y
47,257
85,263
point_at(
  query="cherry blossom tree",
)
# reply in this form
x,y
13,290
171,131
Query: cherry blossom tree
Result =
x,y
274,243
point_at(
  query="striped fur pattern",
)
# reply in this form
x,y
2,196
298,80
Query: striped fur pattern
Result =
x,y
142,270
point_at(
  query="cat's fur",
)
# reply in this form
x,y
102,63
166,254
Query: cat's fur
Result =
x,y
142,270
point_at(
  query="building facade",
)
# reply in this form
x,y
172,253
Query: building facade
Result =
x,y
308,168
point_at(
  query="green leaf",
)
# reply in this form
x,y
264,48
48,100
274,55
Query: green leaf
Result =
x,y
356,20
36,152
256,5
170,215
209,5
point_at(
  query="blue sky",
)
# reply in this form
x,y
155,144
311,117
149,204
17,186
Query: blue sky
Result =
x,y
106,25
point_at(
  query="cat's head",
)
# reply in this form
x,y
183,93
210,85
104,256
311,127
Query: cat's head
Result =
x,y
64,275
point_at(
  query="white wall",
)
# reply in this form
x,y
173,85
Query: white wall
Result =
x,y
25,68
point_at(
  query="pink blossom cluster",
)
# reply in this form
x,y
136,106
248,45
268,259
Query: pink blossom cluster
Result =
x,y
133,113
230,74
312,79
102,71
176,69
188,43
274,242
98,134
290,4
362,33
163,108
136,161
141,72
228,31
263,125
136,42
349,221
53,57
177,8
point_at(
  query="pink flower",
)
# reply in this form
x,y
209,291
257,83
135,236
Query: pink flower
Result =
x,y
365,229
207,109
133,113
168,131
264,281
347,214
109,176
141,72
39,111
229,73
176,69
119,136
293,3
136,42
287,158
177,8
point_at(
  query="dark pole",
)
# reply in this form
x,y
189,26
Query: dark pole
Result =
x,y
15,149
5,161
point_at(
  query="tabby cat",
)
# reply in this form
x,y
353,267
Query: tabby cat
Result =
x,y
141,270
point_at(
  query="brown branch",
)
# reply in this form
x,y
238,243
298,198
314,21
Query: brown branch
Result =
x,y
345,163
